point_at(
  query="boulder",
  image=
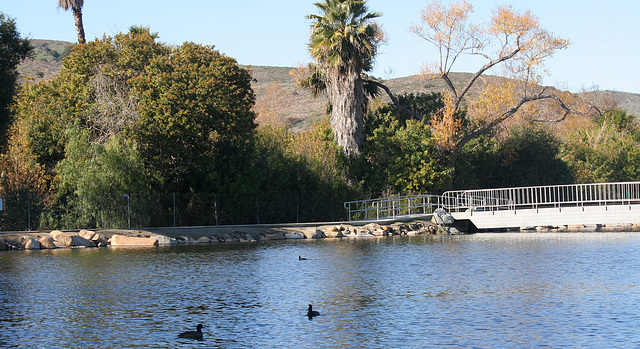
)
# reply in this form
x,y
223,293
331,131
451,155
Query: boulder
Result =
x,y
47,242
77,241
30,243
441,216
121,240
62,238
362,234
100,240
294,235
228,238
3,244
87,234
204,239
313,233
373,226
165,240
453,231
334,232
269,235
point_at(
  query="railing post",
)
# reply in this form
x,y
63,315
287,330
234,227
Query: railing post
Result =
x,y
393,209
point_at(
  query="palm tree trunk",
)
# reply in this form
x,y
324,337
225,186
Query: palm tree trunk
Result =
x,y
347,114
77,15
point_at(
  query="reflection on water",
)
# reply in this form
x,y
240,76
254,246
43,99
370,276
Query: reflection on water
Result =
x,y
482,290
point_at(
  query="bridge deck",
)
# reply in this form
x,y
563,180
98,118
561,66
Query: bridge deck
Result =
x,y
598,203
587,215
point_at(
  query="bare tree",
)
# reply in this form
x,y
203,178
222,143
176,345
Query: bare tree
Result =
x,y
511,40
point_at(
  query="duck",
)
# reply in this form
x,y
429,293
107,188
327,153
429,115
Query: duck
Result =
x,y
311,313
197,334
301,258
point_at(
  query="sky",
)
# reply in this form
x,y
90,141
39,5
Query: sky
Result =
x,y
604,51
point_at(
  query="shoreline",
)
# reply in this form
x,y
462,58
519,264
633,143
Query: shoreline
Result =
x,y
213,234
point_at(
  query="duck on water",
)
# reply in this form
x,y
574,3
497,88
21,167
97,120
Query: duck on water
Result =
x,y
197,334
311,313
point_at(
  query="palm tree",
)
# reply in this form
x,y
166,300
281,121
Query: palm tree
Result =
x,y
76,6
344,41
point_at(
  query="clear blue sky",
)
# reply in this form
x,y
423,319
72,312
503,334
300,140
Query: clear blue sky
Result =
x,y
605,35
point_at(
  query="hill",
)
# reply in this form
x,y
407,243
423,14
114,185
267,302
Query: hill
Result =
x,y
277,91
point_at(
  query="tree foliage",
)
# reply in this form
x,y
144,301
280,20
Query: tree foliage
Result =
x,y
606,150
13,49
195,108
400,154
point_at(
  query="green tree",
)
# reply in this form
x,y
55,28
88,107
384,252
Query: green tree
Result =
x,y
90,92
90,96
13,49
606,151
76,7
529,156
400,153
344,41
195,114
91,175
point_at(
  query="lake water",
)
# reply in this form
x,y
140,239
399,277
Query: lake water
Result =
x,y
505,290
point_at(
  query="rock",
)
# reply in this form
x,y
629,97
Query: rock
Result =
x,y
229,238
294,235
77,241
3,245
62,238
274,236
334,232
313,233
165,240
362,234
87,234
100,240
204,239
31,243
453,231
376,229
373,226
441,216
248,237
47,242
121,240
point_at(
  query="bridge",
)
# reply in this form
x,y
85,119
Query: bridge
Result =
x,y
520,207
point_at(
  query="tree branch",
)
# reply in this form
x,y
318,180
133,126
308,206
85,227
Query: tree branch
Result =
x,y
507,114
479,73
395,101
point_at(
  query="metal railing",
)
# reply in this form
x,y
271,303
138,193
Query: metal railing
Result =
x,y
574,195
391,207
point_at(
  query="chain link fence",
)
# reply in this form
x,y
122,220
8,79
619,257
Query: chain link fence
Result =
x,y
135,210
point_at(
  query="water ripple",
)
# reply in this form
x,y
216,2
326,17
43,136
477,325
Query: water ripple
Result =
x,y
483,290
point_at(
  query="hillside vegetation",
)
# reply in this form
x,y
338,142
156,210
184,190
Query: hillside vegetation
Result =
x,y
298,110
